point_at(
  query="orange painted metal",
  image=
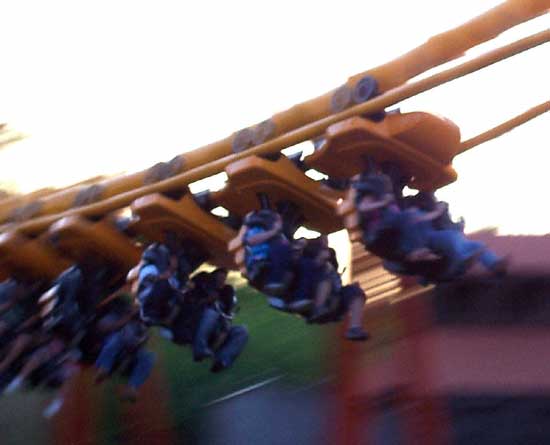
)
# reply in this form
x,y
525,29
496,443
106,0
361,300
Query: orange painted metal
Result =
x,y
509,125
213,164
421,144
77,422
81,239
157,214
454,43
281,181
392,75
34,258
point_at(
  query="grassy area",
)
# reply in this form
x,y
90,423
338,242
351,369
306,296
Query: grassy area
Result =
x,y
280,345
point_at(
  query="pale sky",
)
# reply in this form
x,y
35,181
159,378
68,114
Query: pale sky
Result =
x,y
110,86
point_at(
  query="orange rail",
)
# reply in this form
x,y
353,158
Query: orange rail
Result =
x,y
439,49
302,134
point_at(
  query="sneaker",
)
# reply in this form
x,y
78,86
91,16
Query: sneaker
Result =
x,y
274,288
277,303
53,407
14,385
357,334
318,314
201,355
166,333
459,266
300,306
219,366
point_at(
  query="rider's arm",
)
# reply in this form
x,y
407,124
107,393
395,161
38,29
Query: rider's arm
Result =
x,y
265,236
430,216
367,205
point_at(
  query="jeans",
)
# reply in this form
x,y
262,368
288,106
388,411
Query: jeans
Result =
x,y
310,274
280,261
110,352
141,368
141,365
233,345
208,324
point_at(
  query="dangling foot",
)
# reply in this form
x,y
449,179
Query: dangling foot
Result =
x,y
101,376
318,314
460,266
166,333
14,385
199,356
357,334
218,366
129,394
277,303
500,268
53,407
300,306
274,288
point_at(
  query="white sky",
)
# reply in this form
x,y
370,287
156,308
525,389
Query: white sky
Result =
x,y
108,86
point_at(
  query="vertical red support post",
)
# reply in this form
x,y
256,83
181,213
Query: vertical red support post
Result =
x,y
77,420
149,421
427,422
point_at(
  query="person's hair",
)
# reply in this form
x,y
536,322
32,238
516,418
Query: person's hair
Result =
x,y
313,247
157,255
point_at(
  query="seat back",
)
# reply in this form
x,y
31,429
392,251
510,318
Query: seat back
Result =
x,y
80,239
413,141
281,181
33,258
157,214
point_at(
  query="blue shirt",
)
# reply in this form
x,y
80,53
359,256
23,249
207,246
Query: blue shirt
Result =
x,y
258,251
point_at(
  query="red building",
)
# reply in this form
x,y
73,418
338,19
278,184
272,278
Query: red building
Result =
x,y
462,363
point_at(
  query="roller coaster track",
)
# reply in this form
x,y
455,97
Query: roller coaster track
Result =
x,y
303,122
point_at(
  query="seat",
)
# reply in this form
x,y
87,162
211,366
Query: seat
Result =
x,y
421,144
81,239
281,181
158,214
33,258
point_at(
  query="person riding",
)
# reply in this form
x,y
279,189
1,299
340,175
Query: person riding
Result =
x,y
158,286
125,335
268,253
408,240
320,285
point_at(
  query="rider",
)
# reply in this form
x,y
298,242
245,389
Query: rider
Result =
x,y
264,240
407,238
320,282
158,284
124,338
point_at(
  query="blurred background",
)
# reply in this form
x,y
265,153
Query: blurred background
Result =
x,y
109,87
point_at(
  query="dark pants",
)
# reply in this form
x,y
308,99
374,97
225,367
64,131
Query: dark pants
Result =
x,y
113,351
280,261
208,323
155,301
310,275
140,368
232,347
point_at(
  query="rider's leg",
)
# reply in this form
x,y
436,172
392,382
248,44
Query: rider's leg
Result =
x,y
232,347
207,325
